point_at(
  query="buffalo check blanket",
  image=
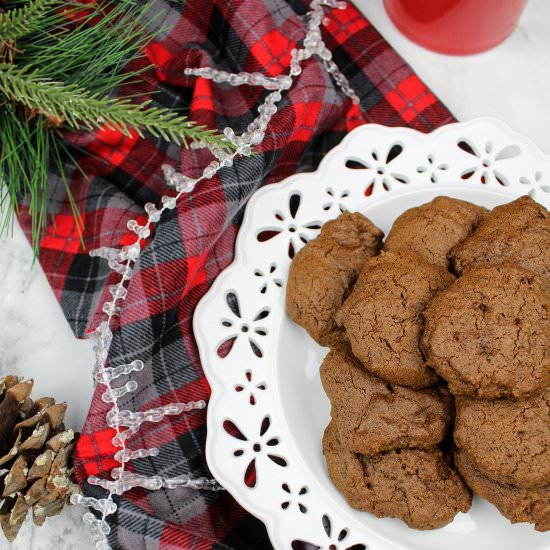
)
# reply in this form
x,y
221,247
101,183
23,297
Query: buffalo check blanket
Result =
x,y
192,244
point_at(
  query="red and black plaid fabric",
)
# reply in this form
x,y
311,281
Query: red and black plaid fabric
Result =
x,y
192,244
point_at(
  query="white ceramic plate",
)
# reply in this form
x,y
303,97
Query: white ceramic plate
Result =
x,y
268,410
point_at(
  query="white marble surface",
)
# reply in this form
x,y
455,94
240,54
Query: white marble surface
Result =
x,y
36,342
511,82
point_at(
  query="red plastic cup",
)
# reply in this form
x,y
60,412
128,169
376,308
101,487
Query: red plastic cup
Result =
x,y
456,27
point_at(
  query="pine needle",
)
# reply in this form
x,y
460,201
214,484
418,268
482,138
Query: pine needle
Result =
x,y
24,163
77,108
24,20
96,52
68,66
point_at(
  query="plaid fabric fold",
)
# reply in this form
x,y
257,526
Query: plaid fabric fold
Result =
x,y
192,244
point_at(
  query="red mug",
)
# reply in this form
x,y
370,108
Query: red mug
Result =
x,y
456,27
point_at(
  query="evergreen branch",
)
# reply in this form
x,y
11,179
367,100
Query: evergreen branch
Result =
x,y
95,52
18,22
24,167
77,108
64,60
31,157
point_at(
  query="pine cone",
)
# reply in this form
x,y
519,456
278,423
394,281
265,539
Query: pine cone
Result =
x,y
35,456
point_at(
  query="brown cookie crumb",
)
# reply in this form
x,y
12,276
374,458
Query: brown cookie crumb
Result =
x,y
518,231
323,271
518,505
507,440
488,335
433,229
382,316
419,487
373,416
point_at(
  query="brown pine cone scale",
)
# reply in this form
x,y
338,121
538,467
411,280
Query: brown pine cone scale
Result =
x,y
35,456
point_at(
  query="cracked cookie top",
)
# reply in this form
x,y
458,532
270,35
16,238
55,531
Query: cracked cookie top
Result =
x,y
382,317
419,487
488,335
518,232
323,271
373,416
506,439
515,503
433,229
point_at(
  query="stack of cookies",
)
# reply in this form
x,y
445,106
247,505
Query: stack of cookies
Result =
x,y
408,338
488,336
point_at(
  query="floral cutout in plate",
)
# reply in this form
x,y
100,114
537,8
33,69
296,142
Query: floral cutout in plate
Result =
x,y
268,410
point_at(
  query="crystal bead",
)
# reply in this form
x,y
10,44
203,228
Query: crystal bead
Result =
x,y
245,149
116,266
183,182
126,455
310,43
103,329
101,355
111,395
285,82
211,169
104,252
104,505
185,187
257,137
120,439
132,251
169,202
325,54
152,212
110,308
168,170
132,225
116,372
219,76
315,20
256,79
143,232
331,66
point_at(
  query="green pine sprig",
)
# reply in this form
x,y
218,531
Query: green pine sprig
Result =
x,y
21,21
77,72
78,108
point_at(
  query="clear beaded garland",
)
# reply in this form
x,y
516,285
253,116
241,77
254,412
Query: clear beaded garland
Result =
x,y
127,423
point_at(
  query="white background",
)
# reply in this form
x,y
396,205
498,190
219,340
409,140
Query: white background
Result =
x,y
511,82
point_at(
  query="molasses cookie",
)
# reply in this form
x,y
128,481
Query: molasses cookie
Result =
x,y
322,273
382,316
518,505
488,335
507,440
433,229
518,231
419,487
373,416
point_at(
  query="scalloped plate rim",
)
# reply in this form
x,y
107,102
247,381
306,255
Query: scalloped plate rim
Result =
x,y
218,390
